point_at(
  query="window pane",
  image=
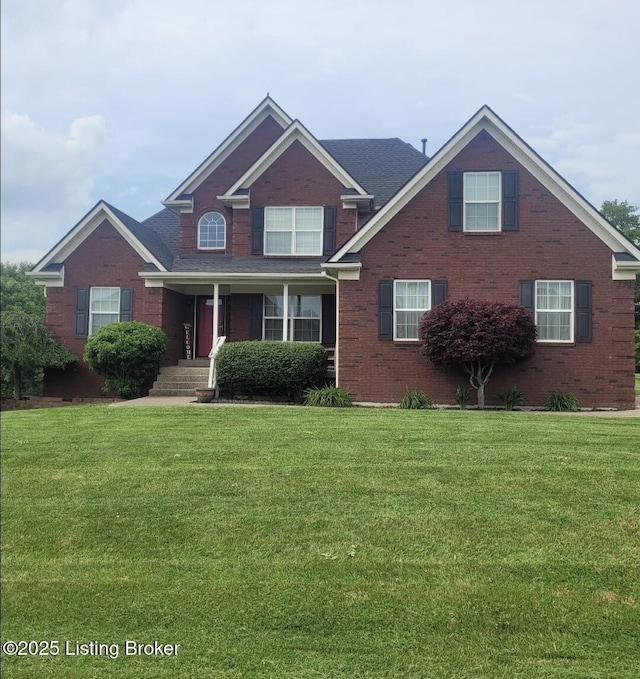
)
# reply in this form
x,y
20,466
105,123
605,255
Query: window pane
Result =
x,y
305,306
554,325
278,243
551,295
278,218
412,295
308,218
100,320
307,243
306,330
481,217
482,186
407,324
273,306
272,329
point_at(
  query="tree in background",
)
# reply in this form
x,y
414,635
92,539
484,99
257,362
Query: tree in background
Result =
x,y
18,291
625,218
26,348
476,335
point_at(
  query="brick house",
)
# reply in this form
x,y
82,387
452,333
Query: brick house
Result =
x,y
277,235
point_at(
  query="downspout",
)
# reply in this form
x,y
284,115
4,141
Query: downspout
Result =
x,y
336,351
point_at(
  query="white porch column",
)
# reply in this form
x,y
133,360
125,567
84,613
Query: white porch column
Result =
x,y
285,312
216,312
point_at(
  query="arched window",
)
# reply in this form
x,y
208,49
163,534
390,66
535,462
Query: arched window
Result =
x,y
212,229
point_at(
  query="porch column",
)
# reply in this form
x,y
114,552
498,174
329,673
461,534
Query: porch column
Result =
x,y
216,312
285,312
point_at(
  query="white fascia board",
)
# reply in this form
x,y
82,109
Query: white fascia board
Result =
x,y
624,271
83,229
155,279
295,132
48,279
266,108
344,271
486,119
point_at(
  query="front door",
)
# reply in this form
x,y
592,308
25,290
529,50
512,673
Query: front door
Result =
x,y
204,321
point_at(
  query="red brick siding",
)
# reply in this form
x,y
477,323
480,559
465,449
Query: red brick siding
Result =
x,y
551,243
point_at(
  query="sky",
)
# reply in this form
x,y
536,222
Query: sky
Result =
x,y
122,99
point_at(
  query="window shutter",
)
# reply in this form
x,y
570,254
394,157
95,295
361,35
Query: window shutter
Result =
x,y
82,312
455,189
438,292
328,319
509,201
385,310
527,296
583,311
255,314
329,232
126,304
257,230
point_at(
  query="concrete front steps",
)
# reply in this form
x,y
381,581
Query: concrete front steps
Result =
x,y
182,379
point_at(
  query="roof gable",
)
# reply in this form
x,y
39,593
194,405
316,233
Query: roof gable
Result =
x,y
486,119
144,242
238,193
266,108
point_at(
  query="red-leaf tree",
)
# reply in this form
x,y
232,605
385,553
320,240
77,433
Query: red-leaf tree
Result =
x,y
477,335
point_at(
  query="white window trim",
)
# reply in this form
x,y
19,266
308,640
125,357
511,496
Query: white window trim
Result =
x,y
572,311
224,232
291,319
92,312
476,202
395,309
292,252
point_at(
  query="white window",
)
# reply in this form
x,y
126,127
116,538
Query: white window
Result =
x,y
482,201
212,231
104,308
305,313
293,230
411,300
554,311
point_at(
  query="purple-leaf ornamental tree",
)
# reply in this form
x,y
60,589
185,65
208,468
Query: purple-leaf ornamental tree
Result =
x,y
476,335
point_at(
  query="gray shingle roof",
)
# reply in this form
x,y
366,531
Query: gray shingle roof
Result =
x,y
381,166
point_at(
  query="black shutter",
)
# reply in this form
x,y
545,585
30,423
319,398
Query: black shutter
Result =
x,y
527,296
329,233
126,304
385,310
257,230
328,319
82,312
256,305
455,188
438,292
583,311
509,201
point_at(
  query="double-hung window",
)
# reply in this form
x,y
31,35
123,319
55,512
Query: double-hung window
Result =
x,y
411,300
303,324
104,308
554,311
482,201
293,230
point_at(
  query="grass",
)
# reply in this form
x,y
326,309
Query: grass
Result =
x,y
299,542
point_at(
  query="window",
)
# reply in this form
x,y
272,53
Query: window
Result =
x,y
212,229
482,201
104,308
305,312
554,311
411,300
293,230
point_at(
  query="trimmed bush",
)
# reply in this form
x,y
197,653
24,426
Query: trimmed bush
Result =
x,y
328,397
270,368
415,400
126,354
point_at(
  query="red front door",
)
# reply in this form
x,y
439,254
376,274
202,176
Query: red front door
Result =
x,y
204,320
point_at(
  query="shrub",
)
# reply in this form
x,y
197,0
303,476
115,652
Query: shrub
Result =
x,y
328,397
562,401
271,368
511,397
462,396
415,400
126,354
638,351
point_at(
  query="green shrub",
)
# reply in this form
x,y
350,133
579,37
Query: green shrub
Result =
x,y
462,396
126,354
271,368
511,397
415,400
562,401
328,397
638,351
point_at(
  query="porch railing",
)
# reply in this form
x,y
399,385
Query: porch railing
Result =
x,y
213,382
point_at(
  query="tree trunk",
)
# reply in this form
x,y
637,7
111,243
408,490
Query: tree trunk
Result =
x,y
481,395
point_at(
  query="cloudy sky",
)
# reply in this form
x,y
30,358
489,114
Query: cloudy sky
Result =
x,y
122,99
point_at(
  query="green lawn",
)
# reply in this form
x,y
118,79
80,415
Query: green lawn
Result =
x,y
301,542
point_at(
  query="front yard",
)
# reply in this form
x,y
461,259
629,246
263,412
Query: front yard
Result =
x,y
300,542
